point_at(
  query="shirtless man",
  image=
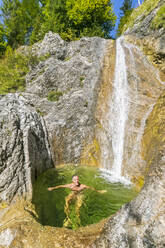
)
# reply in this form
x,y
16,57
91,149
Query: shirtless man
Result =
x,y
76,187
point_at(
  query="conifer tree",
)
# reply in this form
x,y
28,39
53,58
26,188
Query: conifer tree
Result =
x,y
2,40
18,17
126,11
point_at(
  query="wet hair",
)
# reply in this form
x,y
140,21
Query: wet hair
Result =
x,y
74,176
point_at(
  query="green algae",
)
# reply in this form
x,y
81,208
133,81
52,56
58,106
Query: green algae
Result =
x,y
51,206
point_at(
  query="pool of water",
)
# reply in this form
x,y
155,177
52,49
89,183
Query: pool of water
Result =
x,y
61,208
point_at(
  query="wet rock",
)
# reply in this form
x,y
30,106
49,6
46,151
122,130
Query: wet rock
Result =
x,y
6,237
143,89
24,147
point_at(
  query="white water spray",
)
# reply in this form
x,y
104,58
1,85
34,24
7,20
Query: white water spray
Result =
x,y
119,109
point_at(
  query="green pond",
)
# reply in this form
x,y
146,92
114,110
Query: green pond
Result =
x,y
62,207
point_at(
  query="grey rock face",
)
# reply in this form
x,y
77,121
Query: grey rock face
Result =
x,y
143,23
24,147
73,70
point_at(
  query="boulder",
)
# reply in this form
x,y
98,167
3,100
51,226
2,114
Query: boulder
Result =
x,y
24,147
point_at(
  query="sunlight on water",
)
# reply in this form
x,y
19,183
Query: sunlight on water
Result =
x,y
85,208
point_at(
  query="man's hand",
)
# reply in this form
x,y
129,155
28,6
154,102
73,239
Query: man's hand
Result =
x,y
50,188
102,191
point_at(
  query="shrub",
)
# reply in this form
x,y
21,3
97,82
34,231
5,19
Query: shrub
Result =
x,y
159,19
54,96
13,68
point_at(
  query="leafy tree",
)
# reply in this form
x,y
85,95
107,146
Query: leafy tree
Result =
x,y
91,17
73,19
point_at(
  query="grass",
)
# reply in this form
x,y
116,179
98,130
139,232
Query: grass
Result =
x,y
54,96
159,19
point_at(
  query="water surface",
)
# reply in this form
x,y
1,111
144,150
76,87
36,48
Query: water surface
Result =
x,y
87,207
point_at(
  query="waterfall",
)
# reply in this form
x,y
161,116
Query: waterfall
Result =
x,y
133,93
119,112
120,108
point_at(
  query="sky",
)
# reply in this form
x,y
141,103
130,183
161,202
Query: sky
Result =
x,y
116,5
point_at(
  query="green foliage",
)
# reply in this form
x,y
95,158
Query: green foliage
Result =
x,y
19,17
13,68
90,17
125,12
159,20
27,21
73,19
2,40
54,96
123,21
82,78
127,4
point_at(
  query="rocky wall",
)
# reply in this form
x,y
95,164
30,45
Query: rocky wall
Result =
x,y
24,147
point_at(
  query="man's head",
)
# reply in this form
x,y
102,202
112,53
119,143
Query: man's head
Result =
x,y
75,180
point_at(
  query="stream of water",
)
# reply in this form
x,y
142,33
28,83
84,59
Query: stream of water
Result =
x,y
119,109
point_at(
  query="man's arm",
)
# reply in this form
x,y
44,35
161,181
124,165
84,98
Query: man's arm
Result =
x,y
59,186
99,191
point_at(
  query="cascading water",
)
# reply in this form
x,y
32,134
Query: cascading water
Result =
x,y
122,119
119,109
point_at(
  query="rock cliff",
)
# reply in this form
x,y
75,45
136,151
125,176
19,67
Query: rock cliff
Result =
x,y
146,29
70,73
24,147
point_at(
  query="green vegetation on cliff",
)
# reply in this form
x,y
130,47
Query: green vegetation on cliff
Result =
x,y
133,17
159,19
13,68
14,65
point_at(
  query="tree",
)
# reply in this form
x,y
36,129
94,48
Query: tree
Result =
x,y
73,19
2,40
18,17
91,17
126,11
127,5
